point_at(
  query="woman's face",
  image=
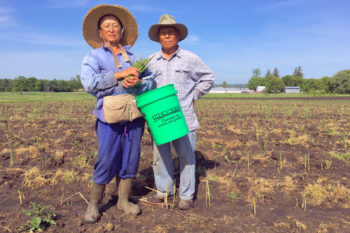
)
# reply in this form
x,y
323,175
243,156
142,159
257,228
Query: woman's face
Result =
x,y
110,29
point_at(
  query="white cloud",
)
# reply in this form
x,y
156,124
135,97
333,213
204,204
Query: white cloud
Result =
x,y
47,64
191,39
43,39
67,3
4,19
6,10
280,4
5,14
146,8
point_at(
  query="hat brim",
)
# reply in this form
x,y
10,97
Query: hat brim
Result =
x,y
153,31
90,27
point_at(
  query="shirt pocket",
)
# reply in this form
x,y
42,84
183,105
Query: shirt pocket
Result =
x,y
183,75
157,74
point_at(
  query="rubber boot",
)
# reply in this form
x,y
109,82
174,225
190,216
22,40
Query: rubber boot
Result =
x,y
123,195
92,213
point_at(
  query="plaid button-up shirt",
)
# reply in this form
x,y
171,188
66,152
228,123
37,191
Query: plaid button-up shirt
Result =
x,y
190,76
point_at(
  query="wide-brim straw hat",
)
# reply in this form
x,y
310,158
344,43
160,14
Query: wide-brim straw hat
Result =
x,y
167,20
91,19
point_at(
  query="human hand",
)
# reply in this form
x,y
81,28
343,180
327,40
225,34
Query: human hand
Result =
x,y
130,81
130,77
131,71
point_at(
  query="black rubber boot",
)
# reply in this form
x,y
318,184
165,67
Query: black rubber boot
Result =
x,y
92,213
123,195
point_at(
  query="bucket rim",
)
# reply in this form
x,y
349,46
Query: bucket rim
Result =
x,y
148,98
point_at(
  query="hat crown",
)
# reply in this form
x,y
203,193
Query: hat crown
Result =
x,y
167,19
91,19
164,21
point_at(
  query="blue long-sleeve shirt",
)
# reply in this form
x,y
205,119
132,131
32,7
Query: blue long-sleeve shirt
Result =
x,y
97,76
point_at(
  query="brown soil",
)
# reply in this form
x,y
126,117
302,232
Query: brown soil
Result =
x,y
262,161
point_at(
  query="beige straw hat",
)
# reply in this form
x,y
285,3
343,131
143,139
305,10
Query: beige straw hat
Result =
x,y
90,27
167,20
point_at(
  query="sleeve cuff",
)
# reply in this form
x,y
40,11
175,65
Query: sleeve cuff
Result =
x,y
109,78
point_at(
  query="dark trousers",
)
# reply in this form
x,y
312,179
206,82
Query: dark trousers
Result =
x,y
119,150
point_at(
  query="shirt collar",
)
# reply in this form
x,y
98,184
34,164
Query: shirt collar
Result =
x,y
126,47
177,54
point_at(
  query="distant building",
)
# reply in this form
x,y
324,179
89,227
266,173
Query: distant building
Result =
x,y
260,88
292,90
229,90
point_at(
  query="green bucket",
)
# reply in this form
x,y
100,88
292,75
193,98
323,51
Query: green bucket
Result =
x,y
163,113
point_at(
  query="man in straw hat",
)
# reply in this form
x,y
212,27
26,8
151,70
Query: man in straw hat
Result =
x,y
192,79
111,30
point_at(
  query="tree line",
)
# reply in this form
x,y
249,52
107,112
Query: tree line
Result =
x,y
339,83
21,84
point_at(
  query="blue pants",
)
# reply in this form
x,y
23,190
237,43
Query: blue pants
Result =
x,y
119,150
163,166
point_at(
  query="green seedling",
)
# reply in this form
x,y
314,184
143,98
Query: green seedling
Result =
x,y
19,196
346,142
227,160
11,157
280,164
11,151
248,162
42,216
328,163
303,204
233,196
281,160
207,196
254,206
266,139
307,162
200,170
166,196
141,65
174,190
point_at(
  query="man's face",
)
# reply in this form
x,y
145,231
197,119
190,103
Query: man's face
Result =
x,y
168,37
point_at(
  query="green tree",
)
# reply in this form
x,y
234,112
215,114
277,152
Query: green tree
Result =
x,y
19,84
274,84
46,85
53,85
5,84
62,86
255,81
30,83
268,73
341,82
77,83
224,84
327,84
292,81
310,85
276,73
39,85
256,72
298,72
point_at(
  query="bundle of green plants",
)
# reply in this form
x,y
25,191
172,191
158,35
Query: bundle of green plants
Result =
x,y
141,65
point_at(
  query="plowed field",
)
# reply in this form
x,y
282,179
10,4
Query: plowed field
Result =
x,y
263,165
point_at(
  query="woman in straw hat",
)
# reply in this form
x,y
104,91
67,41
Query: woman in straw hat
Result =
x,y
111,30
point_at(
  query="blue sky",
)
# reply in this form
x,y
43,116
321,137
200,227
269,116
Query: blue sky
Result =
x,y
43,39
